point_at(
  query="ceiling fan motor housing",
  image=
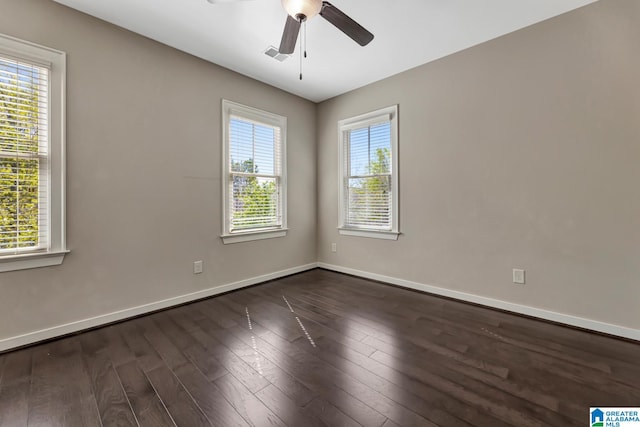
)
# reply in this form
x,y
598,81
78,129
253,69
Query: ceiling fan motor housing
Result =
x,y
302,10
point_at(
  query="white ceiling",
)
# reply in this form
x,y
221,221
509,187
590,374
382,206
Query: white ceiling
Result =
x,y
407,33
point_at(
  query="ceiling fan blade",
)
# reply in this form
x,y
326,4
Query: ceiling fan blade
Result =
x,y
289,36
345,24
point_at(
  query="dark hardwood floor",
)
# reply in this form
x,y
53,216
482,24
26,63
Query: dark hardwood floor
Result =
x,y
320,349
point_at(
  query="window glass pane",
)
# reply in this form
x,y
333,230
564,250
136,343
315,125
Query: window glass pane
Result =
x,y
18,203
20,115
369,201
380,151
359,152
255,202
252,147
370,150
265,150
241,145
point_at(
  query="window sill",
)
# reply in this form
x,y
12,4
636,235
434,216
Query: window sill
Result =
x,y
248,236
372,234
33,260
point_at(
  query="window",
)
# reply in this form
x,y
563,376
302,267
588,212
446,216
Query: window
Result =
x,y
369,175
31,155
254,174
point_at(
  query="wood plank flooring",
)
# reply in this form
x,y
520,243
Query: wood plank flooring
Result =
x,y
320,349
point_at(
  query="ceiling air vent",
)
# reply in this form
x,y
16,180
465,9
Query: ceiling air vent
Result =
x,y
273,52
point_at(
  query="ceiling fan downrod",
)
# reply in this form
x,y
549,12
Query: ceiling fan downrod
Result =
x,y
303,42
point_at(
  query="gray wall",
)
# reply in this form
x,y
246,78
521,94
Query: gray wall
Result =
x,y
521,152
144,174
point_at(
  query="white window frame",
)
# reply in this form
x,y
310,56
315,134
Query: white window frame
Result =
x,y
387,114
230,108
55,60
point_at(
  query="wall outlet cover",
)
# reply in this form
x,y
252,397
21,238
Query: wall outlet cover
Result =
x,y
197,267
518,276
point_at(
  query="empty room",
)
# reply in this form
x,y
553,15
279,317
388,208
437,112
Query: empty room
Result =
x,y
312,213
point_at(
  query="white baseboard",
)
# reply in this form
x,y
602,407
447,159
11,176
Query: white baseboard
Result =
x,y
80,325
566,319
69,328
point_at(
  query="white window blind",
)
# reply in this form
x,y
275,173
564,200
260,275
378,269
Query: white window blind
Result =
x,y
368,183
369,176
254,174
24,157
255,178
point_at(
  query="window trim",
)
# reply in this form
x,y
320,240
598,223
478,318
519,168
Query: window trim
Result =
x,y
230,108
364,120
55,60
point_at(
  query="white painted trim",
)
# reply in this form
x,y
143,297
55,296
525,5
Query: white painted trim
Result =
x,y
372,234
230,108
80,325
566,319
253,235
389,114
32,260
55,61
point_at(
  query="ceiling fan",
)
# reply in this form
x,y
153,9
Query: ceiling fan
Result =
x,y
301,10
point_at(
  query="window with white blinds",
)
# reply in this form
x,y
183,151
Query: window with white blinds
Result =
x,y
31,155
369,176
24,189
254,173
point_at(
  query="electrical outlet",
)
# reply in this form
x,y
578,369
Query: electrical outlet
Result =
x,y
334,247
197,267
518,276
